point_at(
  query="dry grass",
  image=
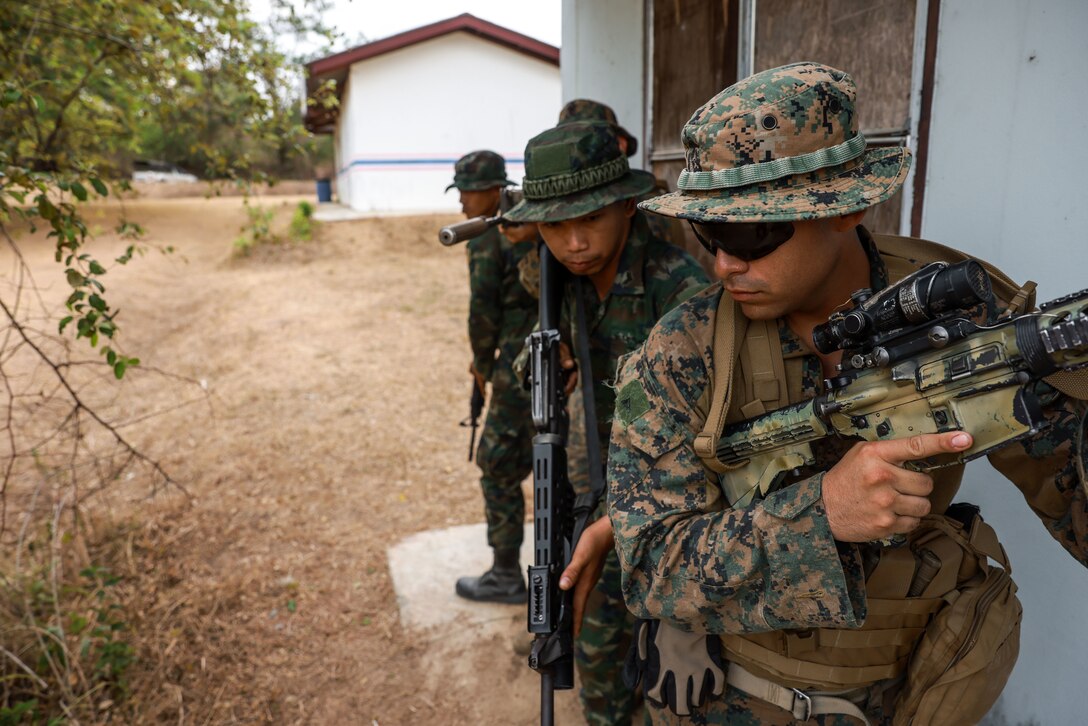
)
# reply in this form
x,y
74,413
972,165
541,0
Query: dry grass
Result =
x,y
313,423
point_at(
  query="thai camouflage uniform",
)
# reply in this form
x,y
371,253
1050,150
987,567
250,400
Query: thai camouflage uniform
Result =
x,y
652,277
501,313
687,557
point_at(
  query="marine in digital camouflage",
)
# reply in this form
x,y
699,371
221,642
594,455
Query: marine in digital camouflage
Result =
x,y
572,170
781,145
691,560
479,170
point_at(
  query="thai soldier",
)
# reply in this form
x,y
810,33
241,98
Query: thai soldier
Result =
x,y
584,109
581,193
776,185
501,314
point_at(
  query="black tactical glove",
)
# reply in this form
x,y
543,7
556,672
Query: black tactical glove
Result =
x,y
679,670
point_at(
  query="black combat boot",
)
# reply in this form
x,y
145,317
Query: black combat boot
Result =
x,y
502,583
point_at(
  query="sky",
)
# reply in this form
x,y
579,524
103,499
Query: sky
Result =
x,y
376,19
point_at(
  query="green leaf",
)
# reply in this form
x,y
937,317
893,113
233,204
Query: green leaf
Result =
x,y
119,369
99,186
97,303
75,278
80,191
39,103
111,357
96,269
64,323
46,208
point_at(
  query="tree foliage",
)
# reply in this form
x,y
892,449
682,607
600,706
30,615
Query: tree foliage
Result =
x,y
93,83
85,87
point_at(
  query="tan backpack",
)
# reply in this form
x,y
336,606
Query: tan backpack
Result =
x,y
963,659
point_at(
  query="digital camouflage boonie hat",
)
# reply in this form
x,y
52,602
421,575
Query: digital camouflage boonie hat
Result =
x,y
479,170
575,169
781,145
583,109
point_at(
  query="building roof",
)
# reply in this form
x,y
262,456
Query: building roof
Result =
x,y
335,67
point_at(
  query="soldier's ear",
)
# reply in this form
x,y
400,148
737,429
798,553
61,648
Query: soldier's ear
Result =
x,y
847,222
629,207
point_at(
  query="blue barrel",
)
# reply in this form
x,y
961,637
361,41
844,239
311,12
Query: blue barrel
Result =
x,y
324,190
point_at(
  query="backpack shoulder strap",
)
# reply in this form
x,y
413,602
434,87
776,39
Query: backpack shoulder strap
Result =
x,y
730,326
763,369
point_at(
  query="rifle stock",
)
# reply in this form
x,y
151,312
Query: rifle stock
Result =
x,y
947,374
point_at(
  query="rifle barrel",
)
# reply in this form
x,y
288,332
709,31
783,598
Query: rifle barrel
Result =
x,y
466,230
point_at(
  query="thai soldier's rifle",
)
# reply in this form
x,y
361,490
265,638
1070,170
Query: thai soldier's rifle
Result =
x,y
476,226
559,517
475,409
913,363
552,652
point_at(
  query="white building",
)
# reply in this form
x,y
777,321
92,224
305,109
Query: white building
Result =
x,y
987,94
413,103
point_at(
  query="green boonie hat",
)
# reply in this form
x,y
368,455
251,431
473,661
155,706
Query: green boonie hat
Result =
x,y
583,109
575,169
779,146
479,170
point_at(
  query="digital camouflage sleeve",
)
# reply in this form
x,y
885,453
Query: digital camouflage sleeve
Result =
x,y
689,559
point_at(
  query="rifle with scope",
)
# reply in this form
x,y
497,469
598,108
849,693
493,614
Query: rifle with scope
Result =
x,y
914,362
471,228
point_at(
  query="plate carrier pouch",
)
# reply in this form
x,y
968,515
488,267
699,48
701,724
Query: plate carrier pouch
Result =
x,y
956,641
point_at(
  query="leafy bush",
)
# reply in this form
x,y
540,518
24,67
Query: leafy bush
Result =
x,y
302,228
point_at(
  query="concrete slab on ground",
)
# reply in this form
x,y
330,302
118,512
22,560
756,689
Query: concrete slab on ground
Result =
x,y
425,568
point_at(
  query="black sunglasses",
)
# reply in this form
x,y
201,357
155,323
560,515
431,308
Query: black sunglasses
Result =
x,y
744,240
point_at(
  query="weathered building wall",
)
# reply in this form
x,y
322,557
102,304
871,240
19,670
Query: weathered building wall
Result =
x,y
1007,160
602,58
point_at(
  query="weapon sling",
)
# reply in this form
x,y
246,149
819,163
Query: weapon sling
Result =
x,y
586,503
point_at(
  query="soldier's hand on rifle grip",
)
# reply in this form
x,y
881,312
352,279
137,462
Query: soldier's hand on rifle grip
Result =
x,y
519,233
869,495
586,564
570,368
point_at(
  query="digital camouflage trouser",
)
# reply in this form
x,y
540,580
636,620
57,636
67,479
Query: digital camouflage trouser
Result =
x,y
505,457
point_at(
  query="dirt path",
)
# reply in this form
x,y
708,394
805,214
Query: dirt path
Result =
x,y
336,377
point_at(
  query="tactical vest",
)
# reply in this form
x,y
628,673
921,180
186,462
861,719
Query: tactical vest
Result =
x,y
751,377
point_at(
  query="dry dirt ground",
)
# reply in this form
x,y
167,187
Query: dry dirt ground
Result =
x,y
335,374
